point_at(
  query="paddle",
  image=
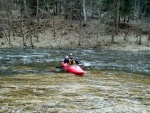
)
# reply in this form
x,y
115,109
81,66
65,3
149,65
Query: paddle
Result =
x,y
59,67
62,66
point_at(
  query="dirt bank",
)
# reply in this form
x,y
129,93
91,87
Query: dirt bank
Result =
x,y
68,34
46,40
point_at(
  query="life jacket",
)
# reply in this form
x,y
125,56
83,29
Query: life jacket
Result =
x,y
71,62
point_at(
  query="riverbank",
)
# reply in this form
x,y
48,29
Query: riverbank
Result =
x,y
67,35
47,41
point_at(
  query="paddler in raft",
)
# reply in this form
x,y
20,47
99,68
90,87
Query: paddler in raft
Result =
x,y
71,60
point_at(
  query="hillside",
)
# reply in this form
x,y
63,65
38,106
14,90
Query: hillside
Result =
x,y
69,34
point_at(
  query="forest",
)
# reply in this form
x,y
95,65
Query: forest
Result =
x,y
79,23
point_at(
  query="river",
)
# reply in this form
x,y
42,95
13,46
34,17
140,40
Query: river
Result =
x,y
114,82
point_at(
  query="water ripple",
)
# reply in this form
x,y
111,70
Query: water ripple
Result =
x,y
134,62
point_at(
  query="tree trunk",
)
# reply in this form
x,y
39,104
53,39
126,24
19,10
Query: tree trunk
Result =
x,y
37,23
32,6
84,12
100,18
112,38
56,8
25,7
140,41
126,33
36,31
6,35
92,5
117,16
140,9
145,10
29,27
140,36
124,18
37,8
21,31
9,24
54,18
65,9
60,38
79,44
22,34
60,7
149,36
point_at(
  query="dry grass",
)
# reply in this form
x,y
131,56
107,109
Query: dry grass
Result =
x,y
68,34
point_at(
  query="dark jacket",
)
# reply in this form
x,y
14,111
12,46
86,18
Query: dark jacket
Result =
x,y
66,60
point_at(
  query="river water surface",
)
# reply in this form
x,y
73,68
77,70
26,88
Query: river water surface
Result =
x,y
114,82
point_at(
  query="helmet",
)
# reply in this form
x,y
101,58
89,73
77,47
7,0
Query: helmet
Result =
x,y
70,54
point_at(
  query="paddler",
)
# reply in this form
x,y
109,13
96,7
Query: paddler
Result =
x,y
71,60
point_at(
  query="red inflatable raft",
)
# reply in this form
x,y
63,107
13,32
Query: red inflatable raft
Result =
x,y
75,69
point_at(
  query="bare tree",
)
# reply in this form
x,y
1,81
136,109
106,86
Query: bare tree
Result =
x,y
21,31
54,18
126,33
8,7
9,25
25,7
112,38
149,36
146,6
140,40
117,15
84,12
37,22
27,12
29,28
